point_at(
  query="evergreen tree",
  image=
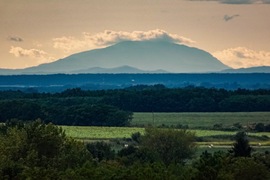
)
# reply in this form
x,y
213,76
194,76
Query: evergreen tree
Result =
x,y
241,147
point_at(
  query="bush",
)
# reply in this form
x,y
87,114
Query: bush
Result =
x,y
101,150
172,146
136,137
259,127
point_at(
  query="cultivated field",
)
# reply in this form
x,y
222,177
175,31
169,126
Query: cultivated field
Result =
x,y
193,120
90,132
94,132
199,123
200,120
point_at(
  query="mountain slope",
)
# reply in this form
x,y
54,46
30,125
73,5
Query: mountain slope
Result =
x,y
259,69
148,55
117,70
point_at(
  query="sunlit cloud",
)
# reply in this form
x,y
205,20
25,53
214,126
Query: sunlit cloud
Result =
x,y
69,43
111,37
40,55
241,57
108,37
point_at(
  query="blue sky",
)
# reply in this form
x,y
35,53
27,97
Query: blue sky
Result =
x,y
37,31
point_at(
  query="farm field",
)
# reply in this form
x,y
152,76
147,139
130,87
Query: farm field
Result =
x,y
94,132
199,123
102,133
200,120
108,134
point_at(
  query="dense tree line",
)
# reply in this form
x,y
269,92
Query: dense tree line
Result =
x,y
43,151
189,99
114,107
64,112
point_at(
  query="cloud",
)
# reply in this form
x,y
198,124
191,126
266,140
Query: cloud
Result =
x,y
228,18
241,57
266,1
40,55
109,37
15,38
69,43
239,1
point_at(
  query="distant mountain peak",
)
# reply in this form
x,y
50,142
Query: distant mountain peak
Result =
x,y
146,55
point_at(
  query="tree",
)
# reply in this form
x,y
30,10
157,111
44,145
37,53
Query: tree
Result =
x,y
37,150
101,150
171,146
260,127
245,168
209,165
241,147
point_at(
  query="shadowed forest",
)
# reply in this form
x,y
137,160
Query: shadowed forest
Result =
x,y
115,107
39,151
60,82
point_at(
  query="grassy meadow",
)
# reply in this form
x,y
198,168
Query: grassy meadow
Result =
x,y
195,121
200,120
199,123
94,132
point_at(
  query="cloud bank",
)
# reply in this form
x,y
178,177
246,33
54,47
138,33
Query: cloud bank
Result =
x,y
40,55
241,57
109,37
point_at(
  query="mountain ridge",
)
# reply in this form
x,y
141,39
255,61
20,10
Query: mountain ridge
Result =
x,y
256,69
116,70
149,55
132,70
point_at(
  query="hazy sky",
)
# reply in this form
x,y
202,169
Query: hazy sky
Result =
x,y
32,32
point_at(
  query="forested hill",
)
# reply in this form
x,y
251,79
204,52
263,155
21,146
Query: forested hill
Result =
x,y
60,82
114,107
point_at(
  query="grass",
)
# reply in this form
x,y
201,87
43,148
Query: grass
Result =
x,y
200,120
203,133
94,133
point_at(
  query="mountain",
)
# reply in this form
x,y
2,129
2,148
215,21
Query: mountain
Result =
x,y
258,69
148,55
117,70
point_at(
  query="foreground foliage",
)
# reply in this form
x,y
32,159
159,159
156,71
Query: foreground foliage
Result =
x,y
42,151
38,150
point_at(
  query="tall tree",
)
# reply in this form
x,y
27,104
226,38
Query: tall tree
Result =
x,y
241,147
172,146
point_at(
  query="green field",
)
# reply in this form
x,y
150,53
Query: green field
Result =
x,y
94,132
200,123
200,120
102,133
